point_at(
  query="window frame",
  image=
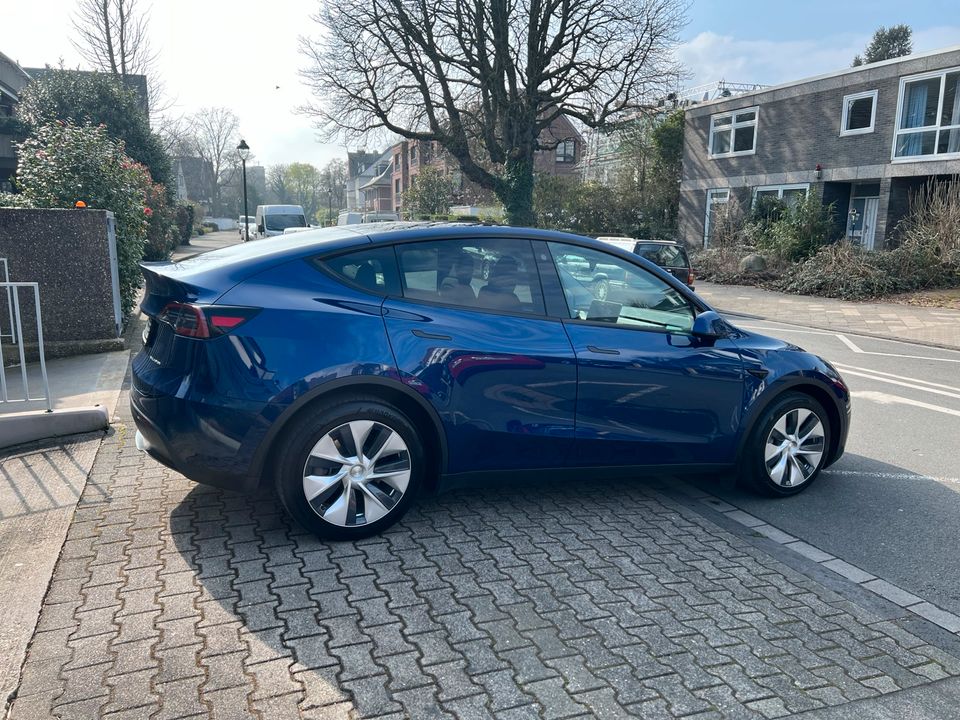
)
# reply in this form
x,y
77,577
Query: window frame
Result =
x,y
540,313
845,115
560,302
706,217
779,188
563,160
898,131
732,127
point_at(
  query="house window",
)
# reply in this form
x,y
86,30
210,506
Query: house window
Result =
x,y
928,117
716,199
734,133
789,194
859,112
396,186
566,151
413,153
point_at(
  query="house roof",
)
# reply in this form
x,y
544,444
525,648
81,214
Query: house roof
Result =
x,y
381,180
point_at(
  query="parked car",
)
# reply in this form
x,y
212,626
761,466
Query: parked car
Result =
x,y
251,228
243,220
348,217
272,220
353,367
669,255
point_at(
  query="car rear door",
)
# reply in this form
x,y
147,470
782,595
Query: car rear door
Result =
x,y
499,372
649,392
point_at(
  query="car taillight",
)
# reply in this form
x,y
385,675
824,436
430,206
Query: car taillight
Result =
x,y
203,322
690,277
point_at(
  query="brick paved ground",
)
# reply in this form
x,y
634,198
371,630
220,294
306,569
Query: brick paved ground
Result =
x,y
940,326
610,600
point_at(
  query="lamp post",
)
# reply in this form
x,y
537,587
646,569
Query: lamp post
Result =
x,y
243,150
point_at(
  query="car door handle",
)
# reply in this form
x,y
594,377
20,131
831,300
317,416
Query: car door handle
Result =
x,y
602,351
429,335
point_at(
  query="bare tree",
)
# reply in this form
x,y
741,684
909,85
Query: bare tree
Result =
x,y
278,182
486,79
215,141
112,36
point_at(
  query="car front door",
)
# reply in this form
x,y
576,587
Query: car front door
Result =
x,y
649,391
500,373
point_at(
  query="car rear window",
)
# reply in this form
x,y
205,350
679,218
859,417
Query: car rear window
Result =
x,y
372,269
668,256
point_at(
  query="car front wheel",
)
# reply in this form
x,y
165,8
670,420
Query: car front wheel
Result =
x,y
350,470
788,446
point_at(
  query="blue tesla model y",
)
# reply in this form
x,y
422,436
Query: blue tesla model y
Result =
x,y
353,367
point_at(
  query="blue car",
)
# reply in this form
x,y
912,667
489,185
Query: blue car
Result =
x,y
354,367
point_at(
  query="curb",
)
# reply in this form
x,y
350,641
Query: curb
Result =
x,y
840,331
25,427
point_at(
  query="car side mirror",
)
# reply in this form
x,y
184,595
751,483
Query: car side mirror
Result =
x,y
709,324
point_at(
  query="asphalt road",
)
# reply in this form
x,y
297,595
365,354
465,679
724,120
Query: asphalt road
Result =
x,y
891,504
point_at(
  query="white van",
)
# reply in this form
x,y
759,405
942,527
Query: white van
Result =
x,y
355,218
274,219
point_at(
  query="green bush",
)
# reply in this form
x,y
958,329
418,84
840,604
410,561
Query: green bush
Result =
x,y
184,222
794,232
927,257
62,163
162,233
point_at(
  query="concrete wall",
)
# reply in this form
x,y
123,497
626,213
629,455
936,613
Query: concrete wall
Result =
x,y
68,253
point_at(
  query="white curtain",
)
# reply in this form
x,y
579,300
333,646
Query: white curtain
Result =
x,y
953,144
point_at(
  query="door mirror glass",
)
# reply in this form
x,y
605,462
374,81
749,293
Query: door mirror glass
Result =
x,y
599,287
709,324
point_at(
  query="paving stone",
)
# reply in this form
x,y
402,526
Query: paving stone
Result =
x,y
180,600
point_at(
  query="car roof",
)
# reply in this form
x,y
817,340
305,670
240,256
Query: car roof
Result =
x,y
234,263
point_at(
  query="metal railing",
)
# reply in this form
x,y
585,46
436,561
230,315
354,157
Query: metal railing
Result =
x,y
16,333
6,278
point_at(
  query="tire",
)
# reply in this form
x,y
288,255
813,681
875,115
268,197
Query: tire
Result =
x,y
787,447
601,289
350,500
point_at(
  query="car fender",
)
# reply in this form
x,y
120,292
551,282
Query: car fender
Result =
x,y
357,381
770,392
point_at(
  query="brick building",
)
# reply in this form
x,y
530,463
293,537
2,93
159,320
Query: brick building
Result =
x,y
865,137
376,183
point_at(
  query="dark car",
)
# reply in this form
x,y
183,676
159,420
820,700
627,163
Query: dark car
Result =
x,y
353,367
668,254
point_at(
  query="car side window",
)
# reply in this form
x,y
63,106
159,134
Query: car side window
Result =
x,y
486,274
604,288
373,269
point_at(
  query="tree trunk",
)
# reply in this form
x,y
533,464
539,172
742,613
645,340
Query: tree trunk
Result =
x,y
516,192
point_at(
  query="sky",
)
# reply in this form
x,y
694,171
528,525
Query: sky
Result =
x,y
245,56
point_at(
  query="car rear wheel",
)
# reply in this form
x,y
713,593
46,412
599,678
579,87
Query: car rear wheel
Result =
x,y
788,447
350,470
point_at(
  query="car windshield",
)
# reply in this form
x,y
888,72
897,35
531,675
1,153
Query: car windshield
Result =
x,y
668,256
282,222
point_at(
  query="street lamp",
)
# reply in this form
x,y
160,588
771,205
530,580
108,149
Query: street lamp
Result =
x,y
243,150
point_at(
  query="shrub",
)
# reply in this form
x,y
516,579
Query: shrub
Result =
x,y
795,232
184,221
162,236
62,163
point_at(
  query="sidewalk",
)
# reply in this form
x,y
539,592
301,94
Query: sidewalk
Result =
x,y
205,243
935,326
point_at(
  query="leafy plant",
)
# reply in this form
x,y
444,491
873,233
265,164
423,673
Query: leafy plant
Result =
x,y
62,163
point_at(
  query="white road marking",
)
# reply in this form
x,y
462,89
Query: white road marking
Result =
x,y
886,399
845,367
891,476
912,386
853,347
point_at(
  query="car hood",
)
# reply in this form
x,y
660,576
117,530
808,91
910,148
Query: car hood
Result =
x,y
746,340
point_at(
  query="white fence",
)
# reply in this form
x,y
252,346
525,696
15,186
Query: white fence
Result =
x,y
9,393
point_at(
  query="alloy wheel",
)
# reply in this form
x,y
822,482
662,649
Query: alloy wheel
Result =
x,y
794,447
357,473
601,290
